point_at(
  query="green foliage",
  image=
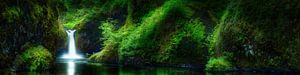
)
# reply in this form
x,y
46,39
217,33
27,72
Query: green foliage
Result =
x,y
37,57
216,38
109,54
135,41
12,14
140,37
218,56
38,11
109,32
79,13
195,29
75,17
113,4
219,63
170,52
128,40
33,21
260,33
248,39
166,54
111,38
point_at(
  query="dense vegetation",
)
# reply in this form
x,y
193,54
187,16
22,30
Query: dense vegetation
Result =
x,y
36,57
237,35
211,34
25,22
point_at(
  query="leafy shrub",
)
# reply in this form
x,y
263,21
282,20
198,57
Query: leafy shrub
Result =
x,y
76,17
218,63
195,29
37,57
111,38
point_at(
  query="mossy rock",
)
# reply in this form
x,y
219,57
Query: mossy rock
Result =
x,y
37,58
218,63
107,55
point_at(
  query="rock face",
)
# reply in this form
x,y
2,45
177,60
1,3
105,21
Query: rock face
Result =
x,y
28,21
88,37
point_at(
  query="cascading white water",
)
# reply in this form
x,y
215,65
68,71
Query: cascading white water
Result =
x,y
72,47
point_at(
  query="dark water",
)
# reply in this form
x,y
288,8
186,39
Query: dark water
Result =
x,y
82,67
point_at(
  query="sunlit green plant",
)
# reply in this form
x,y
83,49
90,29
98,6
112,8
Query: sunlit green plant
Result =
x,y
140,36
195,29
37,57
218,63
218,59
110,37
75,17
216,38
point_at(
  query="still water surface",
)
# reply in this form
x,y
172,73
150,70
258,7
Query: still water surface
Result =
x,y
82,67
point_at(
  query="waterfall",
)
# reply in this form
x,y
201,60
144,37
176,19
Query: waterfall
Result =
x,y
71,46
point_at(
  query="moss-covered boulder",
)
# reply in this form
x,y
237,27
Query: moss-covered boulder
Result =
x,y
37,58
218,64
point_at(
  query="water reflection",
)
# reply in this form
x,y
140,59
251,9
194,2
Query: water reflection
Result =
x,y
71,67
82,67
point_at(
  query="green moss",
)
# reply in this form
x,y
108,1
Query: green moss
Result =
x,y
252,39
195,29
218,56
186,11
37,11
138,38
235,30
128,38
170,52
216,38
37,58
12,14
165,55
31,21
76,17
109,32
111,37
219,63
107,55
78,14
135,41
